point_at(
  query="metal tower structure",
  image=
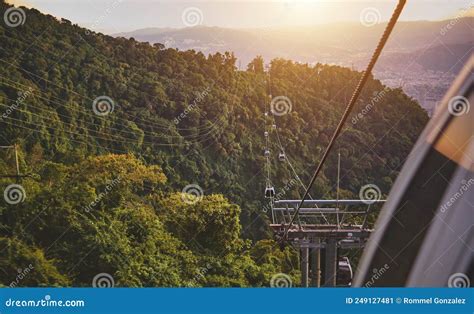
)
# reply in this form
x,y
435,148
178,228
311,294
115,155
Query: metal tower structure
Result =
x,y
313,233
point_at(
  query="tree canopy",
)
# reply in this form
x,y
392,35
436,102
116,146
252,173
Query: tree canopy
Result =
x,y
113,129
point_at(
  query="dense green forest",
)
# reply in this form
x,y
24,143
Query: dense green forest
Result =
x,y
104,193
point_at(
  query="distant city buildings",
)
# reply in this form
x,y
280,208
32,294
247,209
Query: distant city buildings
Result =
x,y
427,87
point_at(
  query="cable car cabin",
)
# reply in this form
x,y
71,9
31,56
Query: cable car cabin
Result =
x,y
266,153
281,156
344,272
274,126
266,134
269,192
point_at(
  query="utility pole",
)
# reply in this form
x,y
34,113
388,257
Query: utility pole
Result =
x,y
16,161
17,175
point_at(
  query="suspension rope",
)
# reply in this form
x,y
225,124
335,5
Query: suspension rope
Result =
x,y
287,159
268,184
378,50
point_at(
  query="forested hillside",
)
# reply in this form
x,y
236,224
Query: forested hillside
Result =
x,y
112,129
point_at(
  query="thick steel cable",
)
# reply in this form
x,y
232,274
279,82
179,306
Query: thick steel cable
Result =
x,y
378,50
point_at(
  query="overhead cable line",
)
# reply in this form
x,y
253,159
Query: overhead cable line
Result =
x,y
119,139
366,74
291,165
147,122
37,129
59,102
194,138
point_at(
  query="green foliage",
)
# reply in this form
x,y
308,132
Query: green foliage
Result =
x,y
211,225
256,65
110,214
24,265
105,198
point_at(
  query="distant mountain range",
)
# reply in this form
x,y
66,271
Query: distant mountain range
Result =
x,y
444,58
341,43
421,56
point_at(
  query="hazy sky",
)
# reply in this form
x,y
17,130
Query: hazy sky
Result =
x,y
113,16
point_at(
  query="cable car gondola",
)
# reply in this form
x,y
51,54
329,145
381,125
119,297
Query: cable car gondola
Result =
x,y
344,273
281,156
269,192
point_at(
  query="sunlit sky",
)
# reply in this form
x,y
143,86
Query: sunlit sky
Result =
x,y
112,16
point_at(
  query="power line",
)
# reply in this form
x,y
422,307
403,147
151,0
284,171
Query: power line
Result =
x,y
198,137
69,139
81,112
89,124
195,138
378,50
98,133
104,137
97,53
60,103
147,122
98,68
